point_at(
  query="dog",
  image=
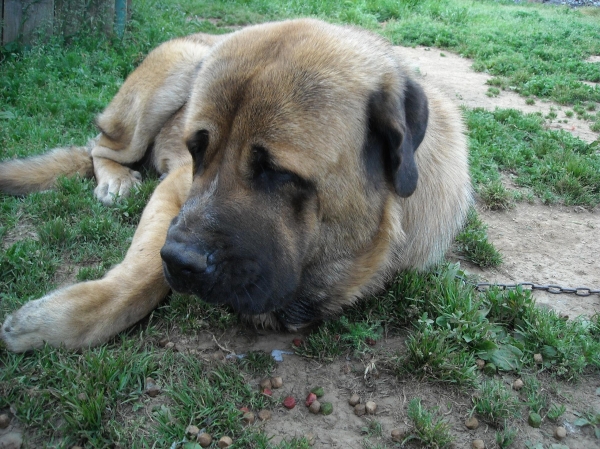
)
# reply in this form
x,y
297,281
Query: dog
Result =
x,y
303,163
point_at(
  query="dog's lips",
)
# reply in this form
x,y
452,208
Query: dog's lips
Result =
x,y
250,299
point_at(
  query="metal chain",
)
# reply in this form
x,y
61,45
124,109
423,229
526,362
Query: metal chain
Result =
x,y
554,289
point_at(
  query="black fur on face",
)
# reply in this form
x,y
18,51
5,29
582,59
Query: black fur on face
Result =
x,y
243,244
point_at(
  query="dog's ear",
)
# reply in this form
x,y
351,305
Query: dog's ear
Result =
x,y
398,121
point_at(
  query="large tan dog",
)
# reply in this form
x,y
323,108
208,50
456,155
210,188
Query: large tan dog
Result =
x,y
305,167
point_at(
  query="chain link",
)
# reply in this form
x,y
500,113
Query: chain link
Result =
x,y
554,289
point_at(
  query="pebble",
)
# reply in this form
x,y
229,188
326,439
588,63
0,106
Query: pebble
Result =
x,y
171,345
4,421
560,432
265,384
478,444
472,423
204,439
152,389
248,418
264,415
192,431
397,435
225,442
359,409
517,384
370,407
354,399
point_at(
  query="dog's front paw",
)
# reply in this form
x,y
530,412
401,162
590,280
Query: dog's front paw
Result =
x,y
34,324
119,185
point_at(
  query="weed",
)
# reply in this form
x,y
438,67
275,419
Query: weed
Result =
x,y
505,437
257,363
530,101
495,403
569,114
429,429
493,92
537,398
473,243
495,196
555,412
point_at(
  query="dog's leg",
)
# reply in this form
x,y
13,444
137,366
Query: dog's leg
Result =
x,y
90,313
113,180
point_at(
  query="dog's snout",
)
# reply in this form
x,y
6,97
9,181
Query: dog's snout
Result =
x,y
183,258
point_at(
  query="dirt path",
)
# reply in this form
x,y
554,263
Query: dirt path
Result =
x,y
540,244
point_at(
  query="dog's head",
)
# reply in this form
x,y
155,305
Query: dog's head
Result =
x,y
302,134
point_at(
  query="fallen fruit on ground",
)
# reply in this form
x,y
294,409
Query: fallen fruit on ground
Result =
x,y
472,423
517,384
264,415
560,433
225,442
359,409
318,391
326,408
276,382
535,420
204,439
354,399
289,402
310,399
315,407
370,407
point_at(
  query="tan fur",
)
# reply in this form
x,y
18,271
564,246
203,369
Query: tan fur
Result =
x,y
306,91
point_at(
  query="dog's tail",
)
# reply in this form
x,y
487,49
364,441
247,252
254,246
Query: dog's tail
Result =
x,y
37,173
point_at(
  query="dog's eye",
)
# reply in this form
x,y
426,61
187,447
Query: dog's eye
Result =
x,y
269,177
197,145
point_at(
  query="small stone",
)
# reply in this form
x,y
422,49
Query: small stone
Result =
x,y
289,402
397,435
538,359
225,442
4,421
152,389
326,408
354,399
310,438
315,407
517,384
480,363
265,384
276,382
370,407
264,415
170,345
560,432
534,420
204,439
472,423
359,409
478,444
192,431
248,418
318,391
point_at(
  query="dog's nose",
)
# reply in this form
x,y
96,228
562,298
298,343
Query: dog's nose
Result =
x,y
183,258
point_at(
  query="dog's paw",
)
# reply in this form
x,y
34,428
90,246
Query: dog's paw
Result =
x,y
118,186
34,324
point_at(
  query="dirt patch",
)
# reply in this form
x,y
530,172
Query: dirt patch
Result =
x,y
454,75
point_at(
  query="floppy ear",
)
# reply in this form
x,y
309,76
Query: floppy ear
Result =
x,y
399,121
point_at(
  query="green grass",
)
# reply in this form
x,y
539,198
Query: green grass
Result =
x,y
49,96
